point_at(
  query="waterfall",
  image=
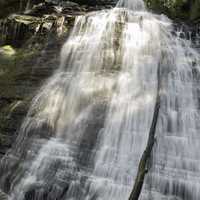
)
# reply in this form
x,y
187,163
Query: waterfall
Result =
x,y
136,5
88,126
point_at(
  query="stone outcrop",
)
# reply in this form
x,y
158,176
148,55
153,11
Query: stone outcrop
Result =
x,y
18,29
14,6
22,72
30,42
23,68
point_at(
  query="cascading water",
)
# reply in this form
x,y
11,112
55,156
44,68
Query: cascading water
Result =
x,y
88,125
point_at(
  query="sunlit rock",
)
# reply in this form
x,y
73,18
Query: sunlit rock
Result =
x,y
7,51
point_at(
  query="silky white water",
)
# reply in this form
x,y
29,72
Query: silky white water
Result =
x,y
88,125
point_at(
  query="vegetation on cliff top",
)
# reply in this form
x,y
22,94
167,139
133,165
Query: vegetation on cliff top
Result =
x,y
182,9
177,9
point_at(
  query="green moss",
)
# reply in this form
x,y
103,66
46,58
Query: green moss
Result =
x,y
11,65
179,9
195,10
7,51
13,101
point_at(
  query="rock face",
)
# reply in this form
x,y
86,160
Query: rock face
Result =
x,y
20,29
19,79
14,6
30,42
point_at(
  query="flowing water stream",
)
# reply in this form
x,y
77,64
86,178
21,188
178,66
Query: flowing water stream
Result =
x,y
88,125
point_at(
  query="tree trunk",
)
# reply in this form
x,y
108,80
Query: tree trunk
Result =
x,y
146,156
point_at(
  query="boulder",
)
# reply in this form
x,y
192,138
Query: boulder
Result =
x,y
22,71
8,7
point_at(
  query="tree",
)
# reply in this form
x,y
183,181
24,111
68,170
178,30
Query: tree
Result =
x,y
146,156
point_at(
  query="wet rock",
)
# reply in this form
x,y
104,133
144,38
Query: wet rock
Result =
x,y
16,90
18,29
3,196
62,3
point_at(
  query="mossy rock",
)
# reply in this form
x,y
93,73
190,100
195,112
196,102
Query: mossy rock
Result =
x,y
14,99
8,7
17,29
22,72
7,51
